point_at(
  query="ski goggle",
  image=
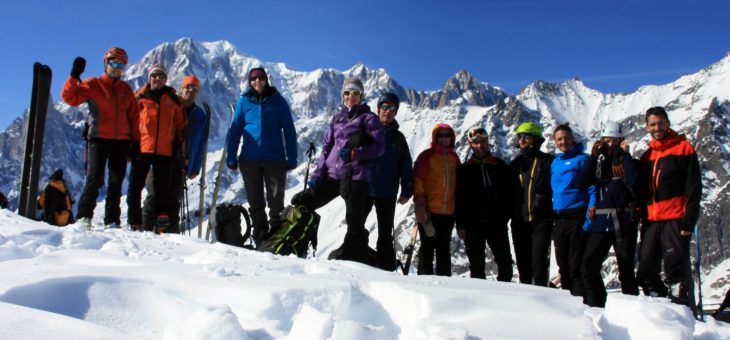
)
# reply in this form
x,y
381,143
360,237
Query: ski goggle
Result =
x,y
474,134
191,88
354,93
391,108
117,65
524,136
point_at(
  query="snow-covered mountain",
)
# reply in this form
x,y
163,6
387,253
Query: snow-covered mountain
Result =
x,y
698,105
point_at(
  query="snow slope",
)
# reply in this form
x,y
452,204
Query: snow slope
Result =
x,y
65,283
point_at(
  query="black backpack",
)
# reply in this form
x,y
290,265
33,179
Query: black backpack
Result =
x,y
226,222
298,229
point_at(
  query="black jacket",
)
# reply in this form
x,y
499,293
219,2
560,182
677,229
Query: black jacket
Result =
x,y
535,192
485,192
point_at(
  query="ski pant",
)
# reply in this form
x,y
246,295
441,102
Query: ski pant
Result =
x,y
569,241
355,246
496,236
596,252
662,241
258,175
177,181
163,195
531,241
385,211
441,243
104,153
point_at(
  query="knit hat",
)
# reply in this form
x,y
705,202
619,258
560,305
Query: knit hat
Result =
x,y
57,175
190,80
353,84
257,72
157,68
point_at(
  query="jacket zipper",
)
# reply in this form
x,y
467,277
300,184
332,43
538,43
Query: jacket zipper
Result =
x,y
529,191
446,182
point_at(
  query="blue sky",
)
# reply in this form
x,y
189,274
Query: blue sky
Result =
x,y
613,46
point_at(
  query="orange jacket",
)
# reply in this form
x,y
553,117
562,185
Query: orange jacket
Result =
x,y
161,121
675,184
113,112
435,174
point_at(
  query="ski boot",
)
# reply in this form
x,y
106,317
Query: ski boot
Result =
x,y
163,223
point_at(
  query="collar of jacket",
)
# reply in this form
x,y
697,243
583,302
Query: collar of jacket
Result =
x,y
577,149
392,126
268,92
355,111
672,139
486,160
156,95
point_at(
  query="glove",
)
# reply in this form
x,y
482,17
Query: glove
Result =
x,y
592,213
78,68
232,165
192,175
313,182
346,154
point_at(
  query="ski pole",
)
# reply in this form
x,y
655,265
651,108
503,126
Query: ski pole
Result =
x,y
698,269
310,153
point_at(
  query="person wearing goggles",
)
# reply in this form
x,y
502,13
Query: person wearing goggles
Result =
x,y
486,192
112,125
532,225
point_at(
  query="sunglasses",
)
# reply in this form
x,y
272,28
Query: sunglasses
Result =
x,y
191,88
443,135
391,108
116,65
158,75
354,93
258,78
475,134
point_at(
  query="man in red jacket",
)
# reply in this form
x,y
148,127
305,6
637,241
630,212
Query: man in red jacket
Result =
x,y
112,123
673,207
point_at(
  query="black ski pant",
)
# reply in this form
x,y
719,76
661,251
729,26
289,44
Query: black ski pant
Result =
x,y
441,243
355,246
385,211
177,181
103,153
662,241
258,175
531,241
161,166
569,242
596,251
496,236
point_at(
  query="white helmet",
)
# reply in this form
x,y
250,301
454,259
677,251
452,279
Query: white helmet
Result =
x,y
612,129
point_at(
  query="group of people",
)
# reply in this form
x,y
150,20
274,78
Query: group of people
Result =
x,y
154,128
584,203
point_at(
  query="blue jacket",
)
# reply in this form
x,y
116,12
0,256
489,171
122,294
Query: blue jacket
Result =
x,y
395,165
614,194
197,138
571,181
261,123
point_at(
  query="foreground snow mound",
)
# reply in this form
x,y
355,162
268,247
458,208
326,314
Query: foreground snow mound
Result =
x,y
66,283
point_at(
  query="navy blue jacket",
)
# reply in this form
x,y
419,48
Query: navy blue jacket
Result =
x,y
196,138
395,165
614,194
261,123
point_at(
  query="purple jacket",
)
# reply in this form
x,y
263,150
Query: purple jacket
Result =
x,y
345,124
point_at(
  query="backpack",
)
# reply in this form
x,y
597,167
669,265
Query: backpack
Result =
x,y
226,221
298,229
56,202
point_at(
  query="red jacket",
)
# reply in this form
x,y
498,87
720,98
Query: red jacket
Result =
x,y
435,174
113,112
161,121
675,183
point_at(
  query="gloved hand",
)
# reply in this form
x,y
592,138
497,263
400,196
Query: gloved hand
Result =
x,y
346,154
420,209
592,213
192,175
78,67
313,182
232,165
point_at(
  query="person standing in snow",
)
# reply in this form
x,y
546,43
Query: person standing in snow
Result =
x,y
486,192
111,127
262,117
394,167
614,221
183,165
532,225
673,207
161,126
434,191
573,195
355,138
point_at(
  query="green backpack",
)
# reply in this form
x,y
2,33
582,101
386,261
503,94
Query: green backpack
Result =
x,y
296,232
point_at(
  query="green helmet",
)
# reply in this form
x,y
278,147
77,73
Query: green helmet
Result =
x,y
531,128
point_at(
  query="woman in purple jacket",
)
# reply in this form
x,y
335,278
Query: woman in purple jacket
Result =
x,y
354,138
